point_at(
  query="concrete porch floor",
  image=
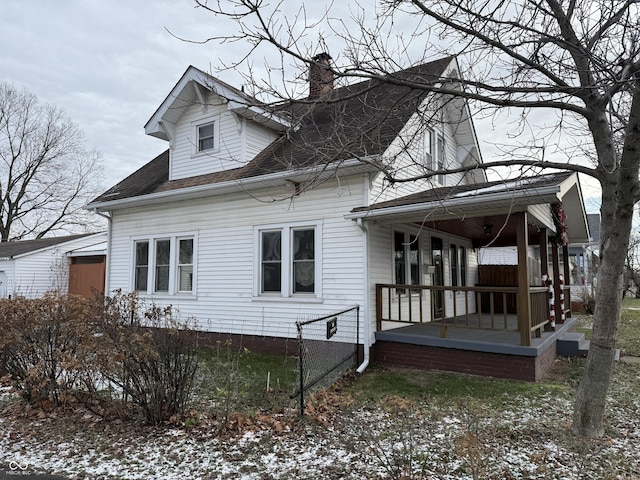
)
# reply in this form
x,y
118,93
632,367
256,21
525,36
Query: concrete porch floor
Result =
x,y
472,339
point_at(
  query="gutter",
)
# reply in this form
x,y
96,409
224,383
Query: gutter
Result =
x,y
221,188
543,195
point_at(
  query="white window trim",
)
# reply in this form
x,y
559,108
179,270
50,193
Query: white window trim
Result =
x,y
195,125
407,232
173,264
286,286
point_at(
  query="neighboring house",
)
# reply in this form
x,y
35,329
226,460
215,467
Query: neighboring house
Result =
x,y
256,217
31,268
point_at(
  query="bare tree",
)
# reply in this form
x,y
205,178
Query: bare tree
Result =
x,y
46,175
574,62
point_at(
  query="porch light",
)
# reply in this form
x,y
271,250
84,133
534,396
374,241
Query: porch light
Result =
x,y
487,228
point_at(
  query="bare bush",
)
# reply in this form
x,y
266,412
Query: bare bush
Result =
x,y
147,354
114,354
40,342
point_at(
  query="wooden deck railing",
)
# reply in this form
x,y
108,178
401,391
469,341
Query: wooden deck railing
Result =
x,y
493,308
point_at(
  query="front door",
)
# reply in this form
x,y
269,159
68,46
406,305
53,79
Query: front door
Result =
x,y
438,276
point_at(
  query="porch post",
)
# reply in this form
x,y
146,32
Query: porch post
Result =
x,y
544,252
567,280
544,266
555,258
524,299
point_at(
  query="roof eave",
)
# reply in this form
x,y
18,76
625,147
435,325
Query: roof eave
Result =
x,y
443,208
348,167
235,102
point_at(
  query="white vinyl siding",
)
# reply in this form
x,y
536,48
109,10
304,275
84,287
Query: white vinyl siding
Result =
x,y
235,141
416,152
33,274
225,264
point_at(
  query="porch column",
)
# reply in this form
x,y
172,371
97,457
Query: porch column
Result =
x,y
555,258
567,280
544,265
544,252
524,299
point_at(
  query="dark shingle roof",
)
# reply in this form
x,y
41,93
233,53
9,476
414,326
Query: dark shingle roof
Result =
x,y
12,249
520,186
354,121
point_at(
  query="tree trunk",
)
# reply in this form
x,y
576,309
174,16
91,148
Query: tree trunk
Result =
x,y
620,188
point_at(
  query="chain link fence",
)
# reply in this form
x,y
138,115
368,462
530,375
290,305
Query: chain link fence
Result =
x,y
328,349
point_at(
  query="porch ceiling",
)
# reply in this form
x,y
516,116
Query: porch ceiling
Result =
x,y
464,210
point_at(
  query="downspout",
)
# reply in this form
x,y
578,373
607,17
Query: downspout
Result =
x,y
107,266
367,323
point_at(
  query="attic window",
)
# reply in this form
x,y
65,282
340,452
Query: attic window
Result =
x,y
206,134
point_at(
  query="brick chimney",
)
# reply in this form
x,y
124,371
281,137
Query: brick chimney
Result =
x,y
320,75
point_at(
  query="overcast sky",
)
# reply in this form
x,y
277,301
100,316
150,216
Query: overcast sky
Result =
x,y
109,65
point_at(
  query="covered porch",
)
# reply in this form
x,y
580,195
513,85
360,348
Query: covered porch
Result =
x,y
471,324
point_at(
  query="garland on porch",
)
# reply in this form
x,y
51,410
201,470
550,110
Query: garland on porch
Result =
x,y
559,220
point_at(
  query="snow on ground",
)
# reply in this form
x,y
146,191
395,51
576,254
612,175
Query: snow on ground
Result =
x,y
524,440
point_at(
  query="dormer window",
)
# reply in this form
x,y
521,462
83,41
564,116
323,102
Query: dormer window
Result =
x,y
206,135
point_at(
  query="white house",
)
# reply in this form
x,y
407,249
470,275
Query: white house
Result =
x,y
256,217
31,268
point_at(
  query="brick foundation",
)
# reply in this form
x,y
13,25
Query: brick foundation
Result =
x,y
497,365
254,343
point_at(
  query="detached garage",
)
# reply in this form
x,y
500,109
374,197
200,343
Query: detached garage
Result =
x,y
30,268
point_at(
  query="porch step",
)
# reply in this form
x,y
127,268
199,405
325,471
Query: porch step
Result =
x,y
573,344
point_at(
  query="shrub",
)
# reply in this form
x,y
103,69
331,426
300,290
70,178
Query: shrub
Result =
x,y
111,353
39,345
147,354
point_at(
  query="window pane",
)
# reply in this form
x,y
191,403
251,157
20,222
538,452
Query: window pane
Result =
x,y
463,266
141,266
185,278
186,251
185,265
414,259
454,265
304,261
205,137
163,254
398,258
271,261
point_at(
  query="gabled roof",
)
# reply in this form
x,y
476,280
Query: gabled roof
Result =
x,y
353,122
192,88
497,198
9,250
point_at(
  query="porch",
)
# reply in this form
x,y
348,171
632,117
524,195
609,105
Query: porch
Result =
x,y
484,331
440,313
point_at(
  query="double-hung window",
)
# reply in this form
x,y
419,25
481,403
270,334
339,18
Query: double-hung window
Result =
x,y
440,158
406,255
164,265
206,136
288,260
458,261
463,266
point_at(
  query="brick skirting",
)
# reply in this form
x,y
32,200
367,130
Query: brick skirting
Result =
x,y
254,343
515,367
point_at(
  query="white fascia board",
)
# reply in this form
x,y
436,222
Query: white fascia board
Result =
x,y
215,189
55,245
548,194
152,127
